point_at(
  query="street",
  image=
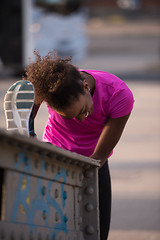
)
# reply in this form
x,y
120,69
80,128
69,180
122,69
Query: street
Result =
x,y
132,54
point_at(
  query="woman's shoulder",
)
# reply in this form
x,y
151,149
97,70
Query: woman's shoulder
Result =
x,y
101,75
106,80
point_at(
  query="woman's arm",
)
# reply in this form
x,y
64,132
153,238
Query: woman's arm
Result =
x,y
31,119
35,109
109,137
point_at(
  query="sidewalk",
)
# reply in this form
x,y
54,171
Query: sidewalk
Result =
x,y
135,170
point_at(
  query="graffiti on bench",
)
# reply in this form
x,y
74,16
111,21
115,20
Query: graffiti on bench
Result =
x,y
42,201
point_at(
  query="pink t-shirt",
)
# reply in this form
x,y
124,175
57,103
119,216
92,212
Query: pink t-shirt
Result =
x,y
111,98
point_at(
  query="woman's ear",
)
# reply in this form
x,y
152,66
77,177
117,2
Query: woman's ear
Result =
x,y
85,85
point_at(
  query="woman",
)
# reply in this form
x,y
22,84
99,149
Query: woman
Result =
x,y
88,111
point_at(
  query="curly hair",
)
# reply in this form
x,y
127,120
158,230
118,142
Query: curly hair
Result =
x,y
55,80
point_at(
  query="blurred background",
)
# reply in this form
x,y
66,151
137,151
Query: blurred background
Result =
x,y
118,36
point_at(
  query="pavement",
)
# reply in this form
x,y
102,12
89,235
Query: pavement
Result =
x,y
129,49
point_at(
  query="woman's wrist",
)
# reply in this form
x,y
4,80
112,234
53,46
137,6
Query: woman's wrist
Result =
x,y
100,158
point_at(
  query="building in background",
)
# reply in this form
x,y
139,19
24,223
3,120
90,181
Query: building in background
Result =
x,y
110,4
44,25
61,27
55,24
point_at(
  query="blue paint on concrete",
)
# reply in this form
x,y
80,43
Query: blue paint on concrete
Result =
x,y
24,160
22,194
42,202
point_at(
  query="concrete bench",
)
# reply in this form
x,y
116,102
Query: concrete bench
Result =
x,y
46,193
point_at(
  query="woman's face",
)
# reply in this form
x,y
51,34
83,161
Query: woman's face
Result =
x,y
80,108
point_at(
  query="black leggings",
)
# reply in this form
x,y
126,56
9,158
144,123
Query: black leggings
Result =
x,y
104,200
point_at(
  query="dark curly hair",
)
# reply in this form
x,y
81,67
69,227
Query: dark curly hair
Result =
x,y
55,80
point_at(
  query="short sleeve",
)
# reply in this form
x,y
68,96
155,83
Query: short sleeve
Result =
x,y
121,103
